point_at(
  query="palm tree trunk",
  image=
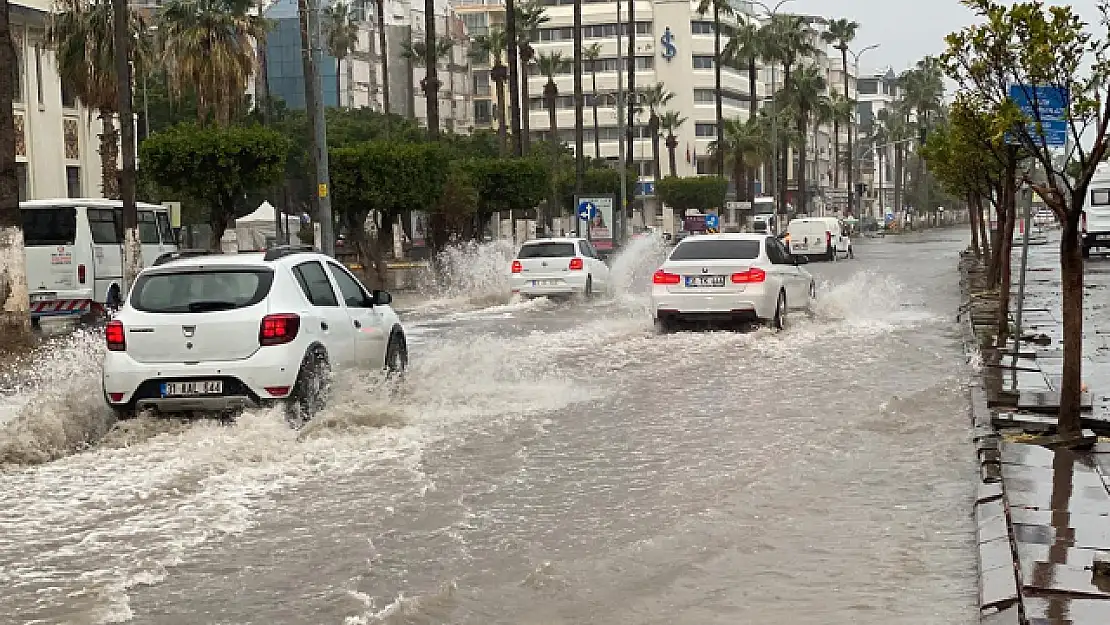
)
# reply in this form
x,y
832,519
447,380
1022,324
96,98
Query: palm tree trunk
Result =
x,y
579,118
502,126
597,132
717,83
15,320
753,112
525,112
802,146
109,155
672,144
653,128
851,156
836,154
514,78
431,78
553,126
383,53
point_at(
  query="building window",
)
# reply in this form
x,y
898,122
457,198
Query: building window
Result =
x,y
476,23
728,97
73,181
868,86
701,28
483,112
705,130
18,70
481,83
707,166
38,74
593,31
69,98
703,62
21,181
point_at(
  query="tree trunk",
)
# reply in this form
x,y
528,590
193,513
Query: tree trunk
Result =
x,y
1071,281
719,99
431,77
15,320
802,147
973,222
851,157
132,246
898,201
514,77
984,231
836,154
579,117
552,94
653,128
525,113
597,132
383,55
502,124
672,145
1009,192
109,155
369,252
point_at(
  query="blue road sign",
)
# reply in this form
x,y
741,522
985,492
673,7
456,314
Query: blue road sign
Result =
x,y
587,211
712,222
1052,105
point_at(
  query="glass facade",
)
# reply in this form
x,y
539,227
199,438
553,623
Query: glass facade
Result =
x,y
284,65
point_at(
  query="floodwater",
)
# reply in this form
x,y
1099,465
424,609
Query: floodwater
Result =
x,y
543,464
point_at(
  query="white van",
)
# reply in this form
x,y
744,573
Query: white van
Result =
x,y
815,237
74,252
1094,225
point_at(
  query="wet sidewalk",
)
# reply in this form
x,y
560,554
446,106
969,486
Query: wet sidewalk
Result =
x,y
1043,515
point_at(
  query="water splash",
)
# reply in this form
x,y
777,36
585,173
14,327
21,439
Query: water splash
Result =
x,y
870,299
467,276
630,269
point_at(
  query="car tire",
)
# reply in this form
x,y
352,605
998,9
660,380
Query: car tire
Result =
x,y
851,252
589,292
778,322
662,326
396,356
310,391
830,254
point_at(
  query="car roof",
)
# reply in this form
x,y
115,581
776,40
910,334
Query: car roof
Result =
x,y
70,202
726,236
553,240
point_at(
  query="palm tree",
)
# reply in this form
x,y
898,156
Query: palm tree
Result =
x,y
655,98
592,54
495,45
839,34
341,37
720,7
208,49
895,129
530,16
747,145
551,64
807,88
15,321
671,121
383,57
416,53
430,84
744,50
923,88
80,32
841,112
786,39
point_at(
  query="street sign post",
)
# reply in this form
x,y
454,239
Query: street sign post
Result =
x,y
595,219
587,210
712,223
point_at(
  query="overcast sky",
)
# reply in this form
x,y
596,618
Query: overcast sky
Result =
x,y
904,29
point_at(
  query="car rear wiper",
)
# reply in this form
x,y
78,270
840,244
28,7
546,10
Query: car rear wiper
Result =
x,y
210,305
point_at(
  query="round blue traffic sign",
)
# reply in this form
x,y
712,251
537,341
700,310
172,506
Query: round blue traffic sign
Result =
x,y
587,211
712,221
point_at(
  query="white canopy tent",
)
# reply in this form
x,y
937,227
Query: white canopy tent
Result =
x,y
258,230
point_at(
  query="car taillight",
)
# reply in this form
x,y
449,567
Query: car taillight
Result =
x,y
750,276
576,264
277,391
114,336
278,329
517,267
662,277
81,274
828,238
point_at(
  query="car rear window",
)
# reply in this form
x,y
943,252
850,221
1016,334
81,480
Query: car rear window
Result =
x,y
49,226
547,250
716,249
200,291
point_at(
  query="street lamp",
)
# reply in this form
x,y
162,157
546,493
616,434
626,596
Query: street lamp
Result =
x,y
853,201
771,14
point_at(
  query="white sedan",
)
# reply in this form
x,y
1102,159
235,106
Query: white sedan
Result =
x,y
730,279
558,266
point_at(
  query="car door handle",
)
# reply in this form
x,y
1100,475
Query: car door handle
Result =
x,y
323,325
358,324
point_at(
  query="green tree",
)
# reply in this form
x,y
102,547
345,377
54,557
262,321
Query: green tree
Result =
x,y
807,94
671,121
747,146
842,112
80,33
215,167
599,178
493,46
208,49
341,37
655,98
786,40
530,15
591,54
744,50
719,8
1029,44
551,64
385,179
693,192
839,34
15,320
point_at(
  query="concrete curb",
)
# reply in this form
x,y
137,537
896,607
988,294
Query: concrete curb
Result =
x,y
998,569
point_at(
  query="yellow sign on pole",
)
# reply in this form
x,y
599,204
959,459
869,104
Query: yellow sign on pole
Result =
x,y
322,190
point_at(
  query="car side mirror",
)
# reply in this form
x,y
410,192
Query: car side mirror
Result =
x,y
381,298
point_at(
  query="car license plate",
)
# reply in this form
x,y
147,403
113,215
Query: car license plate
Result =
x,y
699,281
187,389
38,298
544,282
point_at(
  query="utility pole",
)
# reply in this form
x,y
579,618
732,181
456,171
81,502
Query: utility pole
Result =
x,y
579,119
311,55
622,197
132,248
630,129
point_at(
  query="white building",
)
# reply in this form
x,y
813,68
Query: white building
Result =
x,y
57,139
877,92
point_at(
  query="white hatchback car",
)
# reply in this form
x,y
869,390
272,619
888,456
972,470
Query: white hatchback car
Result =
x,y
219,333
560,266
730,279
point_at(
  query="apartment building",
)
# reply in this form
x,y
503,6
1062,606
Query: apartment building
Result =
x,y
877,92
57,139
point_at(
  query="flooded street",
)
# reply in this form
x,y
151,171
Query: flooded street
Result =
x,y
543,464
